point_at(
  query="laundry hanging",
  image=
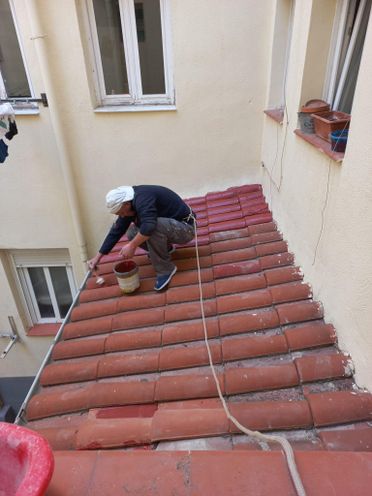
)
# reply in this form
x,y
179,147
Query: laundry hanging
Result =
x,y
8,129
3,151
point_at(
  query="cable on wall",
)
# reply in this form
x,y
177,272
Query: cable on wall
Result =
x,y
286,121
323,212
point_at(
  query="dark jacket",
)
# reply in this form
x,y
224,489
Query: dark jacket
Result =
x,y
149,203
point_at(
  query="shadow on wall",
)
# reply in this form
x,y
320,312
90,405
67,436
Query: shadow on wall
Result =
x,y
13,391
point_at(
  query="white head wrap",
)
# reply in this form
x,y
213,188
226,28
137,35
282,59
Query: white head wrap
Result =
x,y
116,197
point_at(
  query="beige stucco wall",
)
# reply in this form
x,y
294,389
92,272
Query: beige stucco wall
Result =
x,y
340,269
211,141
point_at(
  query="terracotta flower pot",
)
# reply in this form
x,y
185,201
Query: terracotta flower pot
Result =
x,y
327,122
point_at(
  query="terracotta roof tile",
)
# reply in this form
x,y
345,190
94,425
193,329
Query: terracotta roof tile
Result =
x,y
87,327
186,311
234,269
248,321
192,330
359,438
271,248
310,335
138,318
323,366
290,292
131,340
128,364
113,433
247,300
299,312
276,260
188,356
231,244
176,387
253,346
340,407
211,472
243,380
132,371
270,415
189,293
239,284
232,256
61,373
174,424
78,348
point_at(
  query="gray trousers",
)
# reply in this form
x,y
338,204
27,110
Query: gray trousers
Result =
x,y
167,231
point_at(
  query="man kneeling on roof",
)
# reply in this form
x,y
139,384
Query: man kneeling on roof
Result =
x,y
153,217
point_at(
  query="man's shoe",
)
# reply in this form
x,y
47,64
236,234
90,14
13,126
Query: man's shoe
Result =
x,y
163,281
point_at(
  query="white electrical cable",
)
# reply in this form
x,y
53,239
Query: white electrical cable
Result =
x,y
287,448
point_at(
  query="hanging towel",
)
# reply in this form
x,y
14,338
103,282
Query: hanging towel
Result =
x,y
12,129
3,151
6,117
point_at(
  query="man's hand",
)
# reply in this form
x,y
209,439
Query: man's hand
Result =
x,y
128,251
94,261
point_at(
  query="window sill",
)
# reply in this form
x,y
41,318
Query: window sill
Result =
x,y
321,145
43,330
275,114
24,111
135,108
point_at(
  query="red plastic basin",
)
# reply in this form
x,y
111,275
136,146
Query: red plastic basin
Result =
x,y
27,462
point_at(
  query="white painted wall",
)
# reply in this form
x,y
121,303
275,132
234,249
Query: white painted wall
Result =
x,y
210,142
340,270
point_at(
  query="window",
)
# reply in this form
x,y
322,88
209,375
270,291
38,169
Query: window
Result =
x,y
49,292
14,81
280,53
131,51
47,283
351,21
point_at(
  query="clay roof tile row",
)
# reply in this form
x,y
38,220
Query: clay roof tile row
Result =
x,y
132,370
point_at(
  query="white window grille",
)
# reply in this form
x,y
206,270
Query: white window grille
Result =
x,y
47,283
131,47
349,31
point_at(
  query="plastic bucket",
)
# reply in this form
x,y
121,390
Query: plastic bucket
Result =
x,y
339,140
27,461
127,275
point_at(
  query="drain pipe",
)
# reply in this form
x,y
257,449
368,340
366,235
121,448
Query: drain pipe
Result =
x,y
64,158
35,384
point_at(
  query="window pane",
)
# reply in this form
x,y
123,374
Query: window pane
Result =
x,y
11,64
347,96
110,38
61,288
150,46
41,292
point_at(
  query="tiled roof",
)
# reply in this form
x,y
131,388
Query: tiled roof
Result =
x,y
132,371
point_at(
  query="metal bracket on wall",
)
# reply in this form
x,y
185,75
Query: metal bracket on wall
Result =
x,y
43,99
13,336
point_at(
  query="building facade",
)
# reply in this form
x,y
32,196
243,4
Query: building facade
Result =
x,y
173,92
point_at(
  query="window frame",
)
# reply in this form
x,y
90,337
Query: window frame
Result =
x,y
135,98
29,294
18,102
332,91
